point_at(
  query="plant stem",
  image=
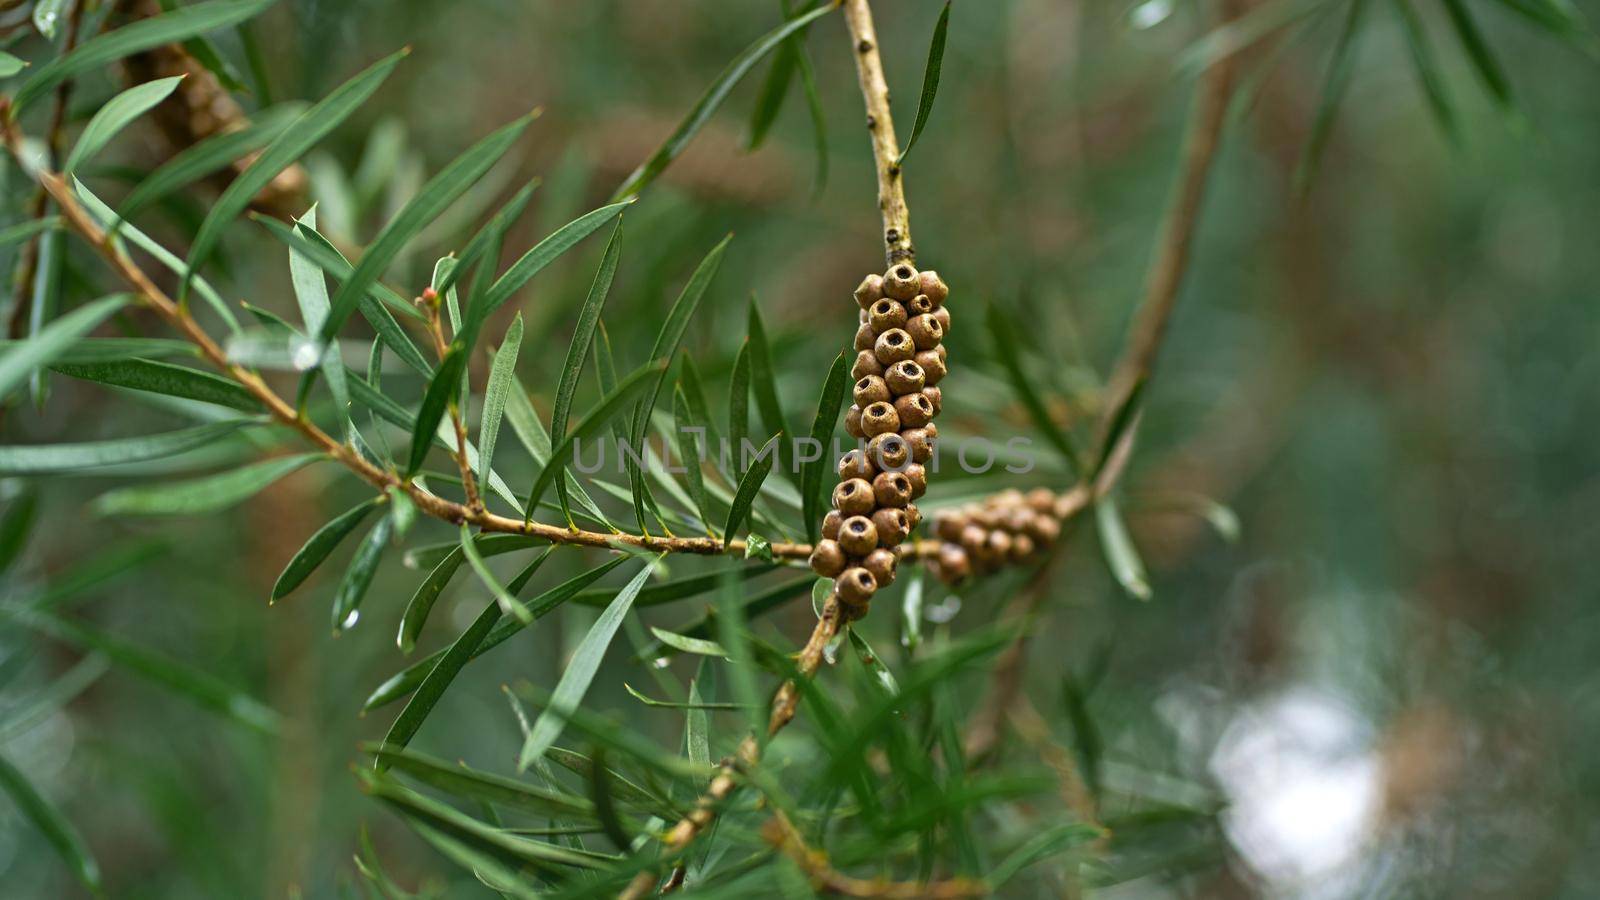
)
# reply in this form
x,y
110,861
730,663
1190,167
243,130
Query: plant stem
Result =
x,y
782,834
880,125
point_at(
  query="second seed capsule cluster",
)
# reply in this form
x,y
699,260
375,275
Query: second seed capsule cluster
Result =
x,y
900,360
1008,527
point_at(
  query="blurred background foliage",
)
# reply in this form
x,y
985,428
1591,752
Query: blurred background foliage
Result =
x,y
1385,686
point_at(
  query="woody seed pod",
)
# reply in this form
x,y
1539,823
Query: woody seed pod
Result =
x,y
935,398
918,476
887,314
921,441
893,526
914,410
932,366
948,525
855,464
901,283
870,291
913,515
881,563
827,559
852,423
942,316
929,282
831,523
905,377
953,563
855,587
871,389
893,346
879,418
889,451
919,305
866,336
925,332
866,364
854,497
891,489
858,536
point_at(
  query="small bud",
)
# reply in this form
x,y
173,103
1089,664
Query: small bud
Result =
x,y
879,418
893,346
921,441
913,410
870,291
430,298
901,283
855,464
854,497
855,587
889,451
918,476
858,536
866,336
929,282
905,377
866,364
935,398
932,365
891,489
887,314
881,563
827,559
893,526
871,389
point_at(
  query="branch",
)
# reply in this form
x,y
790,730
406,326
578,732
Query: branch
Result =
x,y
880,123
781,833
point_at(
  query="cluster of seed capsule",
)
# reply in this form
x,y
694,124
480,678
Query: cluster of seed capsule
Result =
x,y
1008,527
900,360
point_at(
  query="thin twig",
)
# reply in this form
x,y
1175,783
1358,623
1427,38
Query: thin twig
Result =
x,y
880,124
441,347
781,833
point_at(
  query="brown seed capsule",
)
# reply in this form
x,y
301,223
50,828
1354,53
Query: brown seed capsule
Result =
x,y
858,535
953,563
999,544
918,476
879,418
852,423
891,489
929,282
932,365
935,398
1019,519
855,464
914,410
925,332
1021,547
831,523
919,305
921,441
913,515
985,517
855,587
893,346
942,316
893,526
881,563
905,377
866,336
871,389
889,451
1042,500
827,559
870,291
887,314
974,538
948,525
866,364
854,497
901,283
1045,530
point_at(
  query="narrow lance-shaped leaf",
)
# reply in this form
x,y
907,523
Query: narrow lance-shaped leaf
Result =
x,y
16,234
692,455
930,81
438,578
313,245
763,374
138,36
52,341
578,348
1121,556
168,379
359,576
749,486
591,424
711,100
202,496
115,116
1337,79
503,596
427,205
52,824
502,381
10,65
812,482
1478,50
739,403
1427,69
1009,355
580,672
15,524
317,548
819,123
462,781
492,232
440,396
302,135
96,454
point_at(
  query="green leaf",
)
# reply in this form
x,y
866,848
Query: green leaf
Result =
x,y
1121,556
1042,846
427,593
812,472
110,46
52,824
442,392
763,375
731,618
530,263
491,234
686,644
697,725
1010,356
502,381
429,203
911,613
881,676
316,549
97,350
310,243
208,156
749,486
665,347
96,454
47,15
580,671
739,403
578,348
115,116
202,496
300,136
1427,69
461,781
769,101
54,340
692,456
604,805
711,100
694,705
53,697
588,427
1340,67
1124,419
22,231
164,378
10,65
930,81
1478,50
508,603
15,524
358,577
